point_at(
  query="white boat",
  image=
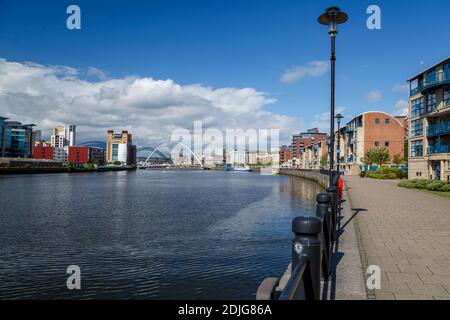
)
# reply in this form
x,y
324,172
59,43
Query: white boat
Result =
x,y
242,169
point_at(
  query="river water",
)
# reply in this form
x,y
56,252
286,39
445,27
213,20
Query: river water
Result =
x,y
149,234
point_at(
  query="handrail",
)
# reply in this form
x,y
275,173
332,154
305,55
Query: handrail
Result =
x,y
295,287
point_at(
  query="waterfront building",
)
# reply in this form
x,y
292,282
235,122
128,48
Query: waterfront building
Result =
x,y
63,136
429,123
312,154
61,154
304,139
237,157
16,139
369,130
286,154
119,147
43,152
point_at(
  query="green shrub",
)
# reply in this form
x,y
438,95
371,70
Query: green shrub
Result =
x,y
445,187
434,185
407,184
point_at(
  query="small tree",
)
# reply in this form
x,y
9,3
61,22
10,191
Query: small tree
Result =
x,y
381,156
369,158
398,159
324,160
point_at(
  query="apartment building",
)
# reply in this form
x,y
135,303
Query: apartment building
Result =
x,y
63,136
429,123
311,155
369,130
304,139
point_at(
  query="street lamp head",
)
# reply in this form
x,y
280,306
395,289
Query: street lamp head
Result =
x,y
332,17
339,117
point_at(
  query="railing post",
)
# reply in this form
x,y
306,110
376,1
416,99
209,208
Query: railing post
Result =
x,y
332,192
323,212
306,243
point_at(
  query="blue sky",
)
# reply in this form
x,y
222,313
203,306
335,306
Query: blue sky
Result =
x,y
246,43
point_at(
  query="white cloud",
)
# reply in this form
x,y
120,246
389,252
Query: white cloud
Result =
x,y
374,96
97,73
401,108
400,88
322,120
312,69
151,109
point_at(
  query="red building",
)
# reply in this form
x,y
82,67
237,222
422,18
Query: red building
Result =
x,y
43,152
285,154
78,155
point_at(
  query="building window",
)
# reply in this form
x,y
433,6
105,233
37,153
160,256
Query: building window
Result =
x,y
386,144
377,144
447,96
377,120
417,148
431,102
417,107
387,120
417,128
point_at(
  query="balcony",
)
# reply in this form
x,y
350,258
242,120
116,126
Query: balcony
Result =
x,y
439,148
440,129
439,79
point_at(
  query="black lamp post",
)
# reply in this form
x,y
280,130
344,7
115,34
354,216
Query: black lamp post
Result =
x,y
339,117
332,18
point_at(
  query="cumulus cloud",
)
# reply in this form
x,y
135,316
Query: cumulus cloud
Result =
x,y
151,109
322,120
312,69
374,96
401,108
97,73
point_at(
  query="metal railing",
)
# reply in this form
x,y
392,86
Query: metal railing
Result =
x,y
438,148
441,128
312,249
441,77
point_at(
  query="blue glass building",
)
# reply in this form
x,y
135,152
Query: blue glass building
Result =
x,y
16,139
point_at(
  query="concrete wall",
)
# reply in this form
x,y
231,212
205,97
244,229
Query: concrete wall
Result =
x,y
320,178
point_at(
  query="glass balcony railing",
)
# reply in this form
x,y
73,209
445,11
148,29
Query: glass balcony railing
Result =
x,y
439,78
439,148
439,129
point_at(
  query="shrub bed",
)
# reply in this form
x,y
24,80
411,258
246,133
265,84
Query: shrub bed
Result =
x,y
431,185
387,173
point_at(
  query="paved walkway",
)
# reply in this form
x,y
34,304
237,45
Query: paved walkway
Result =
x,y
407,234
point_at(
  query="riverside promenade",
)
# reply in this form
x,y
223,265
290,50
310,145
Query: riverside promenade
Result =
x,y
406,233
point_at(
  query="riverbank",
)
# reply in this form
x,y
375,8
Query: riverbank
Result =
x,y
316,176
41,170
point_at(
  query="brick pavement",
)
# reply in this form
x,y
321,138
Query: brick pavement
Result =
x,y
407,233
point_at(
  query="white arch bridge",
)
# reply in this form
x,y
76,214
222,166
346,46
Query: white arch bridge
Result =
x,y
157,158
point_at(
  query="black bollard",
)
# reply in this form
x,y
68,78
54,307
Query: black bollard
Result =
x,y
323,212
332,192
306,243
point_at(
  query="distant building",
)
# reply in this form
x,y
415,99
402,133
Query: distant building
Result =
x,y
119,147
16,139
61,154
311,155
369,130
63,136
286,154
43,152
429,123
236,157
303,139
